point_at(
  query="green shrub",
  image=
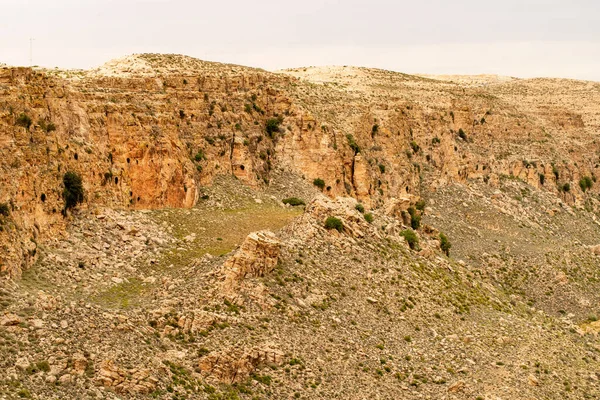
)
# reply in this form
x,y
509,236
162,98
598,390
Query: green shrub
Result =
x,y
352,143
382,168
199,156
555,172
47,126
23,120
462,134
435,140
566,187
272,126
420,205
369,217
360,208
264,379
415,218
585,183
334,223
43,366
73,189
293,201
445,244
320,183
374,130
4,209
411,238
415,147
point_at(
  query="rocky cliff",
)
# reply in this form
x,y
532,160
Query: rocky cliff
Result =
x,y
150,131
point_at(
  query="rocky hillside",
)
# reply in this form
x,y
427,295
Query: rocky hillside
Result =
x,y
444,245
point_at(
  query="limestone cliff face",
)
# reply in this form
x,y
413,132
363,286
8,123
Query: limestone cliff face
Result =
x,y
150,131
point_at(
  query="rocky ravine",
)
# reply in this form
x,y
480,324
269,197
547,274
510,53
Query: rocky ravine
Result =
x,y
183,275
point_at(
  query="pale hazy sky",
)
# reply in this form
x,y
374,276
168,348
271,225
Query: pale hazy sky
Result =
x,y
524,38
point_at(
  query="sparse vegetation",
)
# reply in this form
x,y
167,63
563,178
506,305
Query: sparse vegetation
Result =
x,y
375,129
411,238
462,134
293,201
445,244
73,190
320,183
352,143
586,183
360,208
199,156
272,126
23,120
4,209
47,126
555,172
334,223
369,217
415,147
415,218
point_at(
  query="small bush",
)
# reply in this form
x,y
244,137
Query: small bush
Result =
x,y
352,143
462,134
320,183
369,217
585,183
73,189
435,140
199,156
23,120
360,208
445,244
43,366
382,168
415,147
47,126
264,379
293,201
555,172
411,238
272,126
4,209
415,218
420,205
566,187
334,223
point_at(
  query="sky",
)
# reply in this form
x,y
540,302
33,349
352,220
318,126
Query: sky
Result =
x,y
522,38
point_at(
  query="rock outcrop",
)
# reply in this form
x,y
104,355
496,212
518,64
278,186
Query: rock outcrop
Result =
x,y
256,257
125,380
236,365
